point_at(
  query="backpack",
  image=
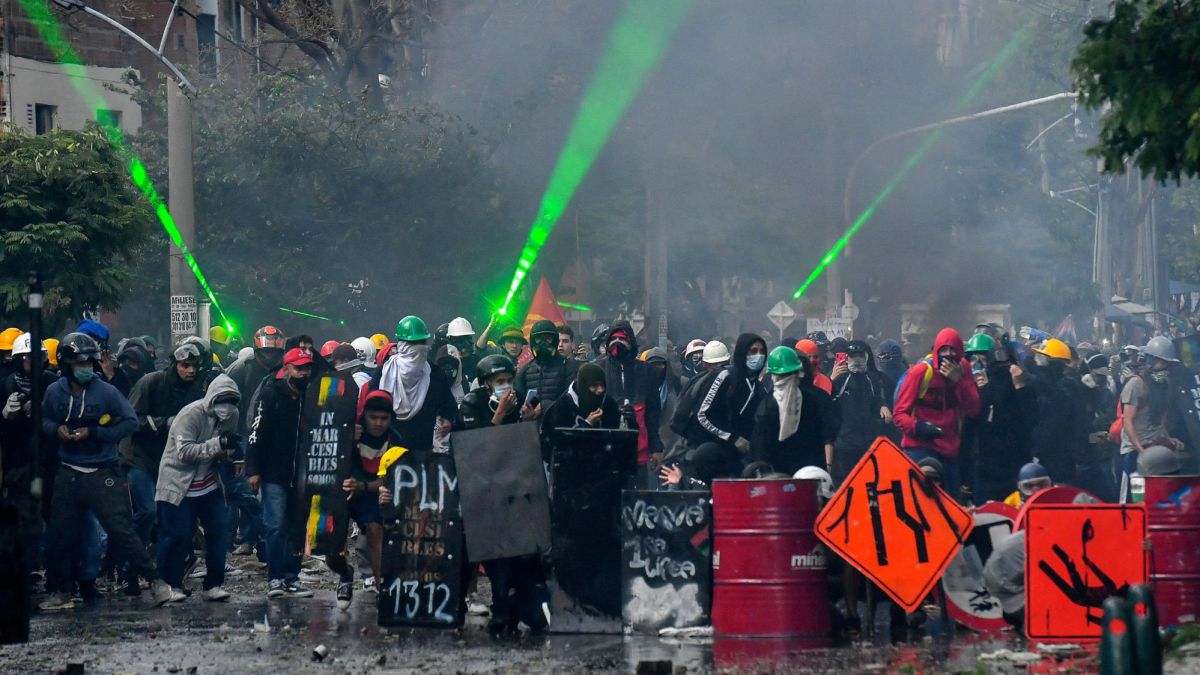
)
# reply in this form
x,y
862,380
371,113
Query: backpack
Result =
x,y
685,409
924,388
1118,424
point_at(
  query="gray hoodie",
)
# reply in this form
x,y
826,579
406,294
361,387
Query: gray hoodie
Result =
x,y
194,438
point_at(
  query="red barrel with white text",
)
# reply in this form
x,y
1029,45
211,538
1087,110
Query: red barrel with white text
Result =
x,y
1172,506
768,566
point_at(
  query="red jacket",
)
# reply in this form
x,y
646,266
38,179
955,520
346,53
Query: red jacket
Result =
x,y
945,403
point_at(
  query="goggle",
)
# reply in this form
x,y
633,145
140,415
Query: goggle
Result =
x,y
1033,485
187,351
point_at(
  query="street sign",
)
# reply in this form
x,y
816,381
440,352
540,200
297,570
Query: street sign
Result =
x,y
782,315
1076,556
183,315
894,525
833,327
967,599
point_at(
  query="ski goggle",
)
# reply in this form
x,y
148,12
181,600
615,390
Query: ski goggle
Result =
x,y
187,351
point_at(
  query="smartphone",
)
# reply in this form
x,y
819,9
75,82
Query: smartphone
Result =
x,y
531,398
839,359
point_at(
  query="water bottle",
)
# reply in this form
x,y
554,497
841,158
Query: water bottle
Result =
x,y
624,419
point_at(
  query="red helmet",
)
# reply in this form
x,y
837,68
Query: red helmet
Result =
x,y
268,336
328,347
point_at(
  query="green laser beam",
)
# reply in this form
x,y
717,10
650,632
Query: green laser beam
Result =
x,y
990,71
636,43
577,308
310,315
50,30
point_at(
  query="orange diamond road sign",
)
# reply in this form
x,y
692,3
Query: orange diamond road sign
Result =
x,y
1076,555
896,526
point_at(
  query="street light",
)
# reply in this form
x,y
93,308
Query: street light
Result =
x,y
181,199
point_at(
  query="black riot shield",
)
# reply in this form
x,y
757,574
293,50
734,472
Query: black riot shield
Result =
x,y
422,544
666,562
326,451
502,485
589,469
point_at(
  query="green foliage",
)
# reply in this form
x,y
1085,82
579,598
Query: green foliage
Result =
x,y
1143,62
67,209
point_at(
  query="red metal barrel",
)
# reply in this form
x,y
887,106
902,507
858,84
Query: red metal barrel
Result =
x,y
768,567
1172,506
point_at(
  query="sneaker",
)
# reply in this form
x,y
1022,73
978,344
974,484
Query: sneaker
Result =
x,y
163,593
198,572
56,601
345,591
244,549
216,594
276,588
295,590
231,571
311,577
369,585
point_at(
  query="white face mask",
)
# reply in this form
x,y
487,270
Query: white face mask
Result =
x,y
857,364
224,411
501,390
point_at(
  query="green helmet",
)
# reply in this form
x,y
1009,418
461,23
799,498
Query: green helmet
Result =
x,y
981,343
782,361
411,329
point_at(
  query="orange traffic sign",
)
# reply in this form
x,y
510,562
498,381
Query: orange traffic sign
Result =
x,y
1076,556
896,526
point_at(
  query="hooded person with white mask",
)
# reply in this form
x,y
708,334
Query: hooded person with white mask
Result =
x,y
421,396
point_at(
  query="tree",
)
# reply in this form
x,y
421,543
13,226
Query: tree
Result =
x,y
68,210
1143,65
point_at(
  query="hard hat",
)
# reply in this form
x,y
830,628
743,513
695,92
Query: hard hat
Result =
x,y
980,343
441,334
379,340
513,333
77,348
492,365
715,352
1158,460
809,347
411,329
51,347
268,337
328,347
366,350
1030,471
23,344
819,338
218,334
7,337
460,327
1161,348
825,489
783,361
1055,349
694,346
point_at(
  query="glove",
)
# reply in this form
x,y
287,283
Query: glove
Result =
x,y
12,406
927,431
230,441
742,445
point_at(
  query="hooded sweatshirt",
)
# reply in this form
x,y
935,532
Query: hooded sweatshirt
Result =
x,y
945,403
858,397
99,408
194,442
726,409
895,366
629,379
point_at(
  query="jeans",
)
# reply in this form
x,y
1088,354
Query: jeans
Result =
x,y
105,494
244,507
177,526
1128,468
141,496
951,480
284,531
93,542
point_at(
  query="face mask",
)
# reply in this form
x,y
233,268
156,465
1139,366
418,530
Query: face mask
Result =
x,y
1041,360
300,383
618,350
1100,380
224,411
755,362
1159,376
500,391
83,375
857,364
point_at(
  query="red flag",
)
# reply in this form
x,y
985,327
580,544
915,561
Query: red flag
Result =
x,y
544,306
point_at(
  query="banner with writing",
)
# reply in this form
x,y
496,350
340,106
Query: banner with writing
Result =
x,y
326,449
666,560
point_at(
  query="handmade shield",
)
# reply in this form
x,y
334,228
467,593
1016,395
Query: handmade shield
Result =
x,y
666,560
502,485
422,542
326,450
967,600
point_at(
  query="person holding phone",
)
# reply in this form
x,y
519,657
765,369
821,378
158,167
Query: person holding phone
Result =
x,y
934,399
549,373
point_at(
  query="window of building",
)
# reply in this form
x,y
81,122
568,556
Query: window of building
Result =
x,y
206,42
44,117
179,41
109,118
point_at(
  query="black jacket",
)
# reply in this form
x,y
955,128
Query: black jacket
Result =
x,y
806,447
858,398
1000,439
629,379
549,379
1060,435
416,432
564,413
726,401
156,398
476,410
16,432
273,447
247,375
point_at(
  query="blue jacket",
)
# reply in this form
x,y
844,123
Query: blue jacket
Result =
x,y
101,409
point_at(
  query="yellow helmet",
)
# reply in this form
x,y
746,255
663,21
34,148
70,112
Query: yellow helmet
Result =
x,y
380,340
1055,349
8,337
51,345
218,334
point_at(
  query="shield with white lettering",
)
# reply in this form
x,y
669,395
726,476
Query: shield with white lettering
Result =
x,y
666,559
326,452
423,565
502,485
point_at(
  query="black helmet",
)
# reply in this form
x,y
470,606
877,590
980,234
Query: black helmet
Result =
x,y
442,333
493,365
77,348
598,337
819,337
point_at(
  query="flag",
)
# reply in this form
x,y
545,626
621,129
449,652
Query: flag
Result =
x,y
544,306
1066,331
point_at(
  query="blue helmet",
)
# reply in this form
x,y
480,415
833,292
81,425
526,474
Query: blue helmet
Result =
x,y
1031,471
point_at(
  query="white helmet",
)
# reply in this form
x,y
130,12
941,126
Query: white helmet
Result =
x,y
1161,348
825,489
24,344
365,349
715,352
459,327
694,346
